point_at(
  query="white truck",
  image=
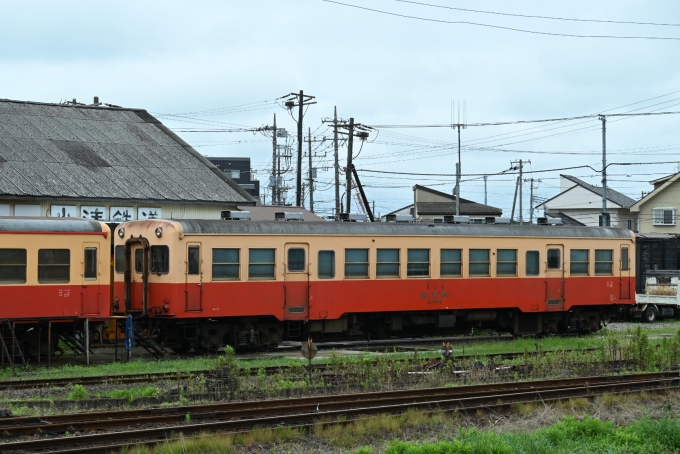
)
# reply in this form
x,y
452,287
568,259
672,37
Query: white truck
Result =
x,y
660,298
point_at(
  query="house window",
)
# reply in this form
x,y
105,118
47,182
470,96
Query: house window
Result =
x,y
663,216
235,174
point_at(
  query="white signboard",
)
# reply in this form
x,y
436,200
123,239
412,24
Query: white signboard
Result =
x,y
4,210
122,214
96,213
63,211
149,213
26,210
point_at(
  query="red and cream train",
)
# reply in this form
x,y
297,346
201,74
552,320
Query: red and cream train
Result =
x,y
205,284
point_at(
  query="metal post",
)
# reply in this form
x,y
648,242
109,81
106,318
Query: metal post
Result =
x,y
87,341
274,173
521,221
49,343
531,202
39,340
115,349
349,164
311,180
298,191
605,215
337,163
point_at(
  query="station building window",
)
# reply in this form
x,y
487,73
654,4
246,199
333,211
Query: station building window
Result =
x,y
579,262
119,259
418,263
356,263
533,261
226,264
479,262
506,262
326,264
451,263
54,266
13,266
261,264
160,259
388,263
604,260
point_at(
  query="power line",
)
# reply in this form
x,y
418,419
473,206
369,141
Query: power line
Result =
x,y
441,21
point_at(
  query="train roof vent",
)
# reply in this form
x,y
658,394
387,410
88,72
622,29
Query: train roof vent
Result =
x,y
542,221
235,215
496,220
399,218
452,219
288,216
555,221
353,217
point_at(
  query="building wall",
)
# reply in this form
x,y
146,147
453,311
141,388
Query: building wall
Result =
x,y
244,179
425,196
668,198
618,217
167,210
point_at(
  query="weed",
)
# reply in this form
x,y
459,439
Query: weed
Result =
x,y
79,393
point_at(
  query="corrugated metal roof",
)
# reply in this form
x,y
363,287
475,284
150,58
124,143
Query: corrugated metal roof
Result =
x,y
388,228
77,151
22,224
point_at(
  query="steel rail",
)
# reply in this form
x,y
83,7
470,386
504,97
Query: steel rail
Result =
x,y
351,405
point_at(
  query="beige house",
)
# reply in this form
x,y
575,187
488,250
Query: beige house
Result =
x,y
657,211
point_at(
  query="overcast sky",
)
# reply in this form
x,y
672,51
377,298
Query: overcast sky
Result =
x,y
185,58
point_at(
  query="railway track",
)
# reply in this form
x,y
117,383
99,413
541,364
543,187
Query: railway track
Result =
x,y
149,426
152,377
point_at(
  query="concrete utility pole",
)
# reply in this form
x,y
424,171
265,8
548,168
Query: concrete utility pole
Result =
x,y
311,179
485,189
348,172
458,170
605,215
300,100
531,199
337,164
514,201
519,183
275,176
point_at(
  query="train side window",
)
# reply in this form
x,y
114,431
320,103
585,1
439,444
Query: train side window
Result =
x,y
451,262
90,262
160,259
579,262
388,263
194,260
326,264
533,261
139,260
479,262
356,263
624,259
554,259
604,260
418,264
296,259
54,265
506,262
226,264
13,266
261,263
119,259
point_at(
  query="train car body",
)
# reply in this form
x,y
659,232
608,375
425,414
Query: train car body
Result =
x,y
204,284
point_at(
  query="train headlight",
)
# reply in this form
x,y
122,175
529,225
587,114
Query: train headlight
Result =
x,y
121,233
159,232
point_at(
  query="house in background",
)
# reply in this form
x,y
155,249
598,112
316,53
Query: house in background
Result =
x,y
580,203
239,170
431,206
657,211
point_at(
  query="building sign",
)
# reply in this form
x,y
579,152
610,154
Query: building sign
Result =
x,y
26,210
149,213
122,214
95,213
63,211
4,210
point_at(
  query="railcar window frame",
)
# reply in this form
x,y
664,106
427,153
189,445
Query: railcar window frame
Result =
x,y
119,259
554,254
475,265
323,264
193,260
139,260
578,265
222,263
446,263
357,264
507,262
625,259
89,273
7,267
45,256
530,268
607,265
252,265
415,266
296,260
385,263
159,259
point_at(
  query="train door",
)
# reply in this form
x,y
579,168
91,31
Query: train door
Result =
x,y
136,300
624,270
296,277
554,278
194,278
90,291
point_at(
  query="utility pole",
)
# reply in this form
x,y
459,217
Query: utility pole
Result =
x,y
531,199
311,179
485,189
514,201
300,100
348,172
337,164
274,169
605,215
458,126
519,183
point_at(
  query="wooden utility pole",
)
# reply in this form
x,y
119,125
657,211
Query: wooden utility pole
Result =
x,y
300,100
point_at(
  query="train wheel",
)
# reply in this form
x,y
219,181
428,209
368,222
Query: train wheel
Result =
x,y
649,316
